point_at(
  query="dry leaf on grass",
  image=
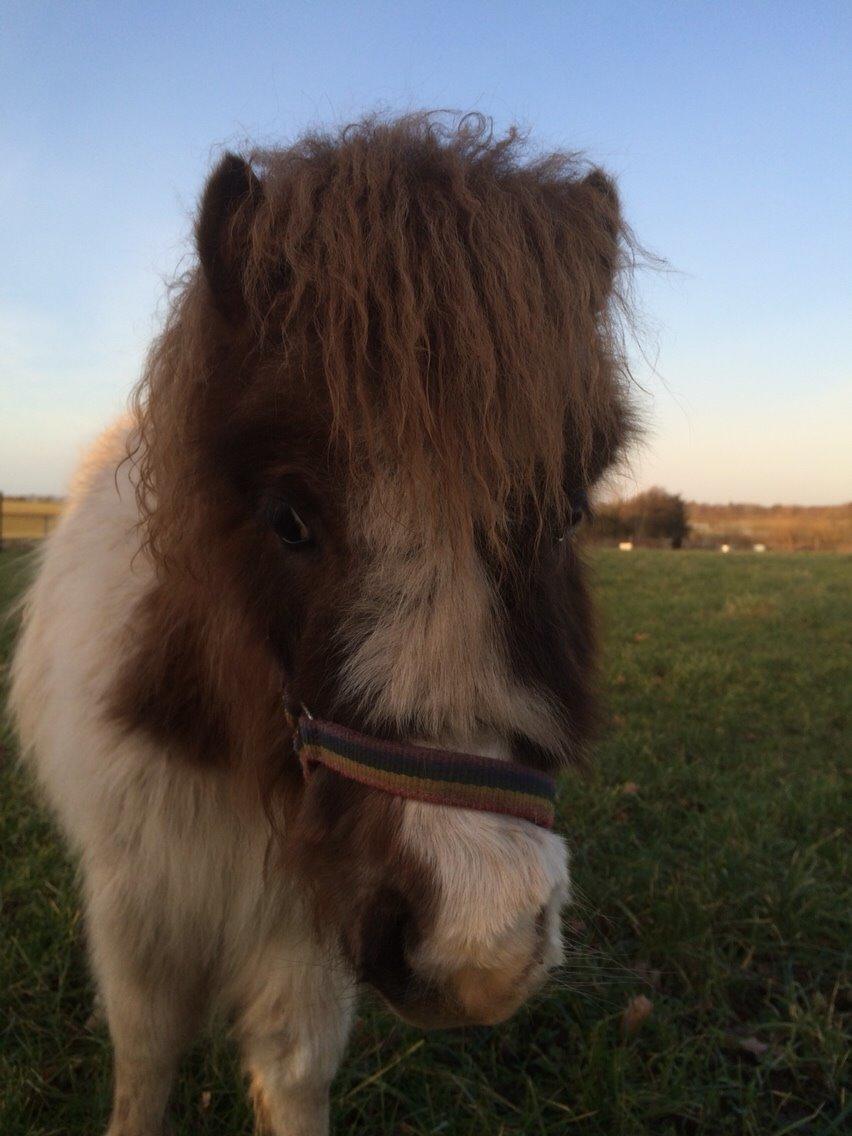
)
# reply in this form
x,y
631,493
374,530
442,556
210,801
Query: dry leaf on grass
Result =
x,y
630,788
753,1046
206,1098
638,1009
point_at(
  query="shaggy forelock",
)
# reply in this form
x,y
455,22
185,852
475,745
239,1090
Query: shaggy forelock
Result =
x,y
456,292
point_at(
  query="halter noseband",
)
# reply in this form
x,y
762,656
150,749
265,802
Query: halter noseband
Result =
x,y
441,777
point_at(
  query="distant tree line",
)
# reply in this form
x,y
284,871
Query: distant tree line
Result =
x,y
784,528
653,517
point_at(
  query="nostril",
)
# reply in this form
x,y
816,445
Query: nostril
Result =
x,y
386,937
540,934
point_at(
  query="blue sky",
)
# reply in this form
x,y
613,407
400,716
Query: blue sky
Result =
x,y
727,125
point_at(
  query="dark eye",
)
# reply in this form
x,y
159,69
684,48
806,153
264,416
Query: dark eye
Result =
x,y
287,525
578,508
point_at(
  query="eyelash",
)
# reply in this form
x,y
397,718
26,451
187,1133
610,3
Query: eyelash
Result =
x,y
575,518
287,525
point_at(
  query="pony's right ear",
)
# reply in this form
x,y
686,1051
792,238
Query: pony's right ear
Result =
x,y
231,197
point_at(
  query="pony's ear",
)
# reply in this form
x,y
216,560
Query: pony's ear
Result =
x,y
231,197
604,225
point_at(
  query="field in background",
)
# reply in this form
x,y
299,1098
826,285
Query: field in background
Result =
x,y
711,864
783,528
28,518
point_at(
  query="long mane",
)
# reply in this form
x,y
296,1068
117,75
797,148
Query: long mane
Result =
x,y
451,295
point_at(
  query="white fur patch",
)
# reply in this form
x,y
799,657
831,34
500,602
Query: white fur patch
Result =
x,y
424,644
494,873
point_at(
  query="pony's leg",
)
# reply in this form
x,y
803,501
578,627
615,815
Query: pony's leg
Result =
x,y
293,1031
153,1010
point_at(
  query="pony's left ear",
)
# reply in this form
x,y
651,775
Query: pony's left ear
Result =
x,y
604,227
222,233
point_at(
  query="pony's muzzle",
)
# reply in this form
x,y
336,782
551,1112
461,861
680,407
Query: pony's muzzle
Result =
x,y
473,987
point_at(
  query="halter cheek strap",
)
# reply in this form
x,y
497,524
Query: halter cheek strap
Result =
x,y
441,777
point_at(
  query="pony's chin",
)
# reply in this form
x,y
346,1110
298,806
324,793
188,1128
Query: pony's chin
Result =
x,y
440,1016
427,1017
472,999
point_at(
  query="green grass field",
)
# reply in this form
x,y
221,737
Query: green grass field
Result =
x,y
711,857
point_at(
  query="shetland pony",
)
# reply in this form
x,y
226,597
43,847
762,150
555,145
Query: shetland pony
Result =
x,y
348,484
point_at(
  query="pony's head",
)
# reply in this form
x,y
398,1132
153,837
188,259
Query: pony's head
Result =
x,y
362,439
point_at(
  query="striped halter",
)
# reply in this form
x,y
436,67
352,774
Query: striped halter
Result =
x,y
441,777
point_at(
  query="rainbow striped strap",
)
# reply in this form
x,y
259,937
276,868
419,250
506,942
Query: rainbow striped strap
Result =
x,y
442,777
